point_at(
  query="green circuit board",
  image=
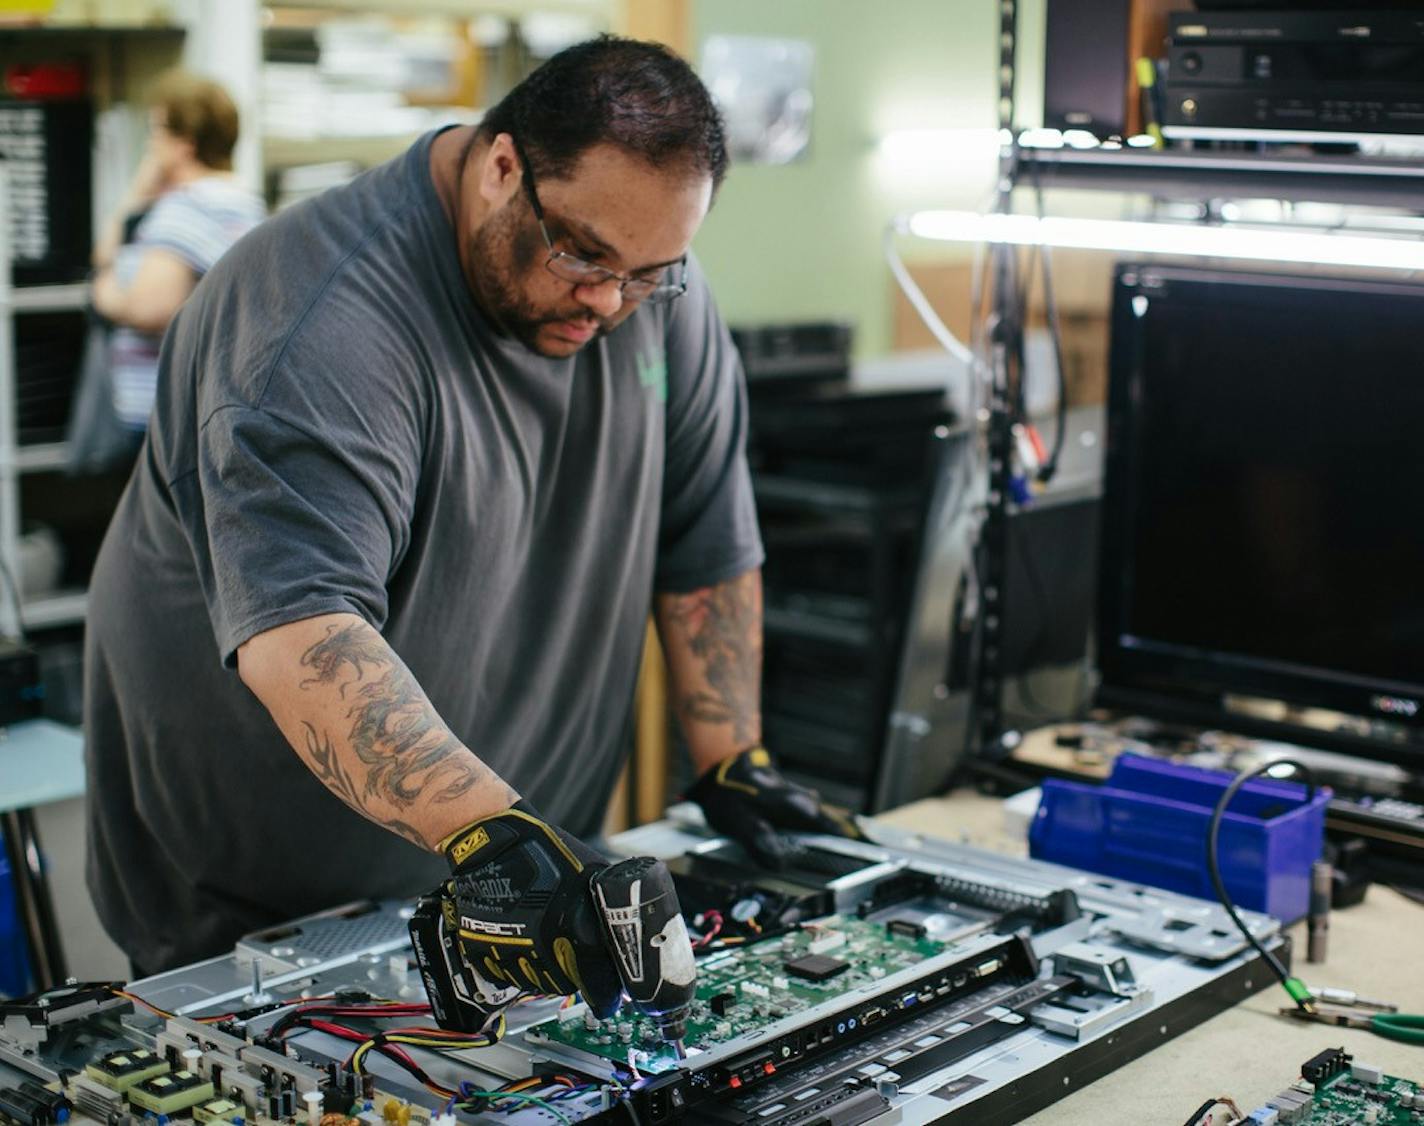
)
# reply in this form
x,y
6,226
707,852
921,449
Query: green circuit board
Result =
x,y
741,986
1344,1101
1337,1090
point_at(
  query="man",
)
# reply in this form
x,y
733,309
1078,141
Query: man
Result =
x,y
423,450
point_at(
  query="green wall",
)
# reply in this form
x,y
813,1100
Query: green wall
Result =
x,y
803,240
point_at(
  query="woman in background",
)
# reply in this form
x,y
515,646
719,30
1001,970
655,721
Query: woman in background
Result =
x,y
189,209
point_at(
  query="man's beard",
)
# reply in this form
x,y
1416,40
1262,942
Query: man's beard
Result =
x,y
501,255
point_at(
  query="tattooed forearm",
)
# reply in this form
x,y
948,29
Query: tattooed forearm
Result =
x,y
323,762
364,726
408,752
714,641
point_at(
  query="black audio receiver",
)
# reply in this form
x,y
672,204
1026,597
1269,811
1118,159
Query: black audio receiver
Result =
x,y
1294,75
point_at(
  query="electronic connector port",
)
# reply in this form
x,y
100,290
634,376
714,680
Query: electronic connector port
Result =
x,y
1327,1064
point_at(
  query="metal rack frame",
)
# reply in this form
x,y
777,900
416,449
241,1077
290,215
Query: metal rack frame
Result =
x,y
1005,336
61,607
1166,175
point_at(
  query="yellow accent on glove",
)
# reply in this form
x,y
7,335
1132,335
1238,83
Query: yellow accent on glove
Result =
x,y
461,849
759,756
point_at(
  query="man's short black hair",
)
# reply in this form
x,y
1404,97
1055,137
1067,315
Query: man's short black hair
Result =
x,y
639,96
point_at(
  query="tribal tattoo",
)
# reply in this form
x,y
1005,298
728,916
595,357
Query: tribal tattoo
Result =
x,y
408,753
721,626
324,763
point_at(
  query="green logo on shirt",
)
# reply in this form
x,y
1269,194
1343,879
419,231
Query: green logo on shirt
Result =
x,y
652,374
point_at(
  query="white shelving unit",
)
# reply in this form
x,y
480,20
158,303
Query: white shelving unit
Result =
x,y
39,457
54,608
9,471
319,113
458,9
122,59
48,298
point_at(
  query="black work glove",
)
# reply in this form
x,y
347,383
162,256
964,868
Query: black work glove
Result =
x,y
519,912
746,798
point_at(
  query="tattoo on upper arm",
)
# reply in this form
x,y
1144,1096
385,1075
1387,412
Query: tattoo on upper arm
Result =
x,y
721,625
407,751
355,646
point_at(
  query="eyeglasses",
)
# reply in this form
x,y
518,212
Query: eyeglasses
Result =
x,y
669,284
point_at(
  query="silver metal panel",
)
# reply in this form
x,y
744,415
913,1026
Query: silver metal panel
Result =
x,y
928,724
1122,922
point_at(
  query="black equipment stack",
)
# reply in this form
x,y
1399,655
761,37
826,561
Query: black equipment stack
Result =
x,y
1316,76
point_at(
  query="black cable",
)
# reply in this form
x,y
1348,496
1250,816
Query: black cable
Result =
x,y
1023,284
1050,304
1197,1114
1004,779
633,1114
1035,707
1294,986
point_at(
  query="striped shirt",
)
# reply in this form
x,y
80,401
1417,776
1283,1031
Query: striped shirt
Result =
x,y
197,222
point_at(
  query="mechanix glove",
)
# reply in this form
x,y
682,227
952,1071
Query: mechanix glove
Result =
x,y
746,798
516,918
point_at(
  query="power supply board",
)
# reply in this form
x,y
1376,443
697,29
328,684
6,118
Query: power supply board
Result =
x,y
1336,1090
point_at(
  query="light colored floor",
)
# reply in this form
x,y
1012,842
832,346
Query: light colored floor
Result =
x,y
91,954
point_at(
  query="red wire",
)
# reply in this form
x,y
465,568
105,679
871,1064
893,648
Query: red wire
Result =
x,y
716,917
351,1034
337,1030
292,1017
311,1016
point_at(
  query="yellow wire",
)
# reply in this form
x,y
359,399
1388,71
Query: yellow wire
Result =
x,y
433,1043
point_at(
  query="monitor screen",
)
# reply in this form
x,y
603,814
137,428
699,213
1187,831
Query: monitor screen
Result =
x,y
1264,492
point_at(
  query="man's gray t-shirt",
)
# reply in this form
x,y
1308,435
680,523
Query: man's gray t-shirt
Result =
x,y
338,429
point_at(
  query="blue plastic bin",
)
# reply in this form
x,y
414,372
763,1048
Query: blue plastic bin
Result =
x,y
1148,823
14,962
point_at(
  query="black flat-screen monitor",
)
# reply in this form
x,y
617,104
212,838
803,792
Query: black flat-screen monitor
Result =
x,y
1263,510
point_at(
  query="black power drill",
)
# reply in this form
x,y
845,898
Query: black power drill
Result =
x,y
637,909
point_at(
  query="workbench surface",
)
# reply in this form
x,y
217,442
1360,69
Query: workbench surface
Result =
x,y
1247,1052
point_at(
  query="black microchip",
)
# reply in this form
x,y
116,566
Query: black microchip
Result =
x,y
816,967
722,1002
906,928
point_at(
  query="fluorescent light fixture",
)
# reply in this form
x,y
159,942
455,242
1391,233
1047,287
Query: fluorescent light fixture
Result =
x,y
1041,139
922,144
923,161
1192,240
1056,139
